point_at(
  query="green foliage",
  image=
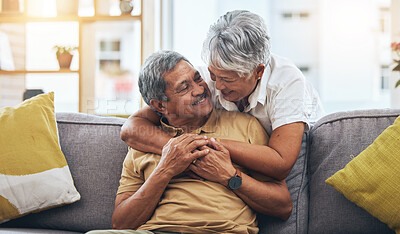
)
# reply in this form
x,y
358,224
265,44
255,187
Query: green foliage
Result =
x,y
397,84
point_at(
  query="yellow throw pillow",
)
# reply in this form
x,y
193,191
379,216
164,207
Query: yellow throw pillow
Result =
x,y
34,174
372,179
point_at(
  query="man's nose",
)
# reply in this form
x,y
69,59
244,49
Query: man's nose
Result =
x,y
197,90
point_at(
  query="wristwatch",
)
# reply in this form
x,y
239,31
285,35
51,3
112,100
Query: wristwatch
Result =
x,y
236,181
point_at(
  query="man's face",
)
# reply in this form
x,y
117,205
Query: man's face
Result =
x,y
188,94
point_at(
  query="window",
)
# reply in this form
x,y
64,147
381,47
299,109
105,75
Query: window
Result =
x,y
385,77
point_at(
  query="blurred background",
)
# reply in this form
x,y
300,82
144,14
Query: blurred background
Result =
x,y
342,47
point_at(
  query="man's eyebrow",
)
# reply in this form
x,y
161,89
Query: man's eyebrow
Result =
x,y
196,74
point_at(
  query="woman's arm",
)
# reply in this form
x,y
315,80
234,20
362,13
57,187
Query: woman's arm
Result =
x,y
275,160
141,133
271,198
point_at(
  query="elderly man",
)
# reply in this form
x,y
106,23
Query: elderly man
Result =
x,y
156,194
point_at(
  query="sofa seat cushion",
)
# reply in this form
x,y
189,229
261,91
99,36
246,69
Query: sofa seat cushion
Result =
x,y
334,141
33,231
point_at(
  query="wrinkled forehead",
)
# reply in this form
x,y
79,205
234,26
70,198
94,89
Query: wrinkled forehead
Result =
x,y
182,72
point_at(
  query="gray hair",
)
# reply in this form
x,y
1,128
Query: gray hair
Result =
x,y
151,77
238,42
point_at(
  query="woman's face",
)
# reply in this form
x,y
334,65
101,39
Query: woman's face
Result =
x,y
233,87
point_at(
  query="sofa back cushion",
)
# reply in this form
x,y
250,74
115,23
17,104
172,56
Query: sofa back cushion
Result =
x,y
334,141
95,153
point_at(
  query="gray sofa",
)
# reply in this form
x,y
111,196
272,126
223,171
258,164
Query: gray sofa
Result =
x,y
95,153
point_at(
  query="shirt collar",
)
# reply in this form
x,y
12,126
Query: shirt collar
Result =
x,y
208,127
260,93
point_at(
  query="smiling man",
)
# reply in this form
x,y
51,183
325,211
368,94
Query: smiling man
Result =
x,y
156,195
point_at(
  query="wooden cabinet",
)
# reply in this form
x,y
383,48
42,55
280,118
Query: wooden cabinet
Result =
x,y
103,73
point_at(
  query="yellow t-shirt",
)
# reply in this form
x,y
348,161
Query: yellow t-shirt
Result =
x,y
194,206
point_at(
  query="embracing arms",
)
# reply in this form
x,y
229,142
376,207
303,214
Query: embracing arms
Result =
x,y
271,198
275,160
133,209
141,133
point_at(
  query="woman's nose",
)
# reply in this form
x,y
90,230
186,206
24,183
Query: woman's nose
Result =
x,y
219,84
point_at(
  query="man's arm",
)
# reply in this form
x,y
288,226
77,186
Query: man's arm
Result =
x,y
141,133
275,160
132,209
272,198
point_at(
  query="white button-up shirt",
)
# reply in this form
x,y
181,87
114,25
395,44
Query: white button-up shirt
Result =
x,y
282,97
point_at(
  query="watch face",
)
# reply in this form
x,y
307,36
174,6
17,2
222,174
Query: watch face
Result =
x,y
235,182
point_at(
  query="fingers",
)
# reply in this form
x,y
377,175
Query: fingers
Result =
x,y
187,147
185,139
199,153
204,147
191,141
216,145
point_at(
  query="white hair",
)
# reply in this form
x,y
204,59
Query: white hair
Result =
x,y
151,76
238,42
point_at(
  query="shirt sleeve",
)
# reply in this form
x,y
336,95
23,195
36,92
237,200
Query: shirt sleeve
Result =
x,y
256,133
131,177
289,104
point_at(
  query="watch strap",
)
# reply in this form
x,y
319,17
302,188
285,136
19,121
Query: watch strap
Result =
x,y
238,173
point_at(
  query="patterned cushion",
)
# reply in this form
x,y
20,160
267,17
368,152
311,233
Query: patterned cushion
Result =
x,y
34,174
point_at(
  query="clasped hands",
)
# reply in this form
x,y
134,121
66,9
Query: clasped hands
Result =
x,y
199,157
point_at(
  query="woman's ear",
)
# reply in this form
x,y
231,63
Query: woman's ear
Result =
x,y
260,70
158,106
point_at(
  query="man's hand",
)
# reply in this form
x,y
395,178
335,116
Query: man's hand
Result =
x,y
181,151
216,166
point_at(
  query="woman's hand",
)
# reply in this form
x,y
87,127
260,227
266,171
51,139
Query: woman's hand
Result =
x,y
180,152
216,166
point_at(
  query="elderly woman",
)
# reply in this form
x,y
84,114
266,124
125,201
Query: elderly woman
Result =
x,y
243,76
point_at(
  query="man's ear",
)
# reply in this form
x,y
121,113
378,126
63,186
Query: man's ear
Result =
x,y
158,106
260,70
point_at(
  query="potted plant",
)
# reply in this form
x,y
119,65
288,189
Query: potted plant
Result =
x,y
64,55
396,49
395,76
